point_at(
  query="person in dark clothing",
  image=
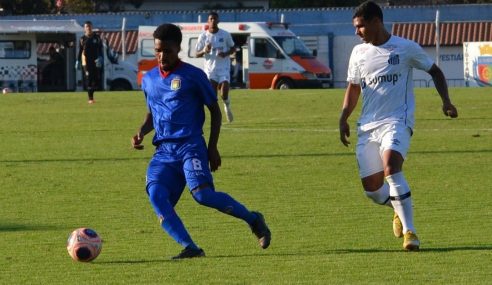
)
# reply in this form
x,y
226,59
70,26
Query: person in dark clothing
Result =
x,y
91,57
53,70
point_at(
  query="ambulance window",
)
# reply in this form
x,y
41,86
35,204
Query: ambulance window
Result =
x,y
15,49
148,48
264,48
192,47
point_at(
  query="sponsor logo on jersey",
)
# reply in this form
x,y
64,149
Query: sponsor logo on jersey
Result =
x,y
394,59
387,78
176,83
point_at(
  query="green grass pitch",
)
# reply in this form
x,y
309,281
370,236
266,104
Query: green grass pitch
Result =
x,y
65,164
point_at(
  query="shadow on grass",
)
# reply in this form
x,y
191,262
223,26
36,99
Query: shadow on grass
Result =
x,y
425,249
458,248
26,228
140,261
322,252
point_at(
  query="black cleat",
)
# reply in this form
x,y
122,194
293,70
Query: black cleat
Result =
x,y
261,231
189,253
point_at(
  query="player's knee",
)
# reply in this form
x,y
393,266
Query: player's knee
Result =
x,y
202,194
391,169
373,182
156,194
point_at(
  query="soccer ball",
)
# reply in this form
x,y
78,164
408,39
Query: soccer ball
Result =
x,y
84,245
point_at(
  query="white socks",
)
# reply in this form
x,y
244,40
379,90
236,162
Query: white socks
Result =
x,y
401,200
381,196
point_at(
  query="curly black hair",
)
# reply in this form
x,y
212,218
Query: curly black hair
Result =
x,y
168,32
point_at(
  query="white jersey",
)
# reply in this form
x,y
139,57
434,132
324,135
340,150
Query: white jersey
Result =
x,y
221,41
385,75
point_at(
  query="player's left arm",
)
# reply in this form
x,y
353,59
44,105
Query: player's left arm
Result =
x,y
232,49
215,123
442,88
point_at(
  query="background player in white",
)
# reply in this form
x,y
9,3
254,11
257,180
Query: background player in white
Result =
x,y
382,68
216,45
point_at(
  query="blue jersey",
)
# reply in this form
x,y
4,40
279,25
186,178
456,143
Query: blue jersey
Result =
x,y
176,101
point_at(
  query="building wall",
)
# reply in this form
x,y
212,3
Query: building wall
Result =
x,y
451,63
315,25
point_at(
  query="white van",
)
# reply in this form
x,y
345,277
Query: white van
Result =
x,y
119,73
269,55
25,64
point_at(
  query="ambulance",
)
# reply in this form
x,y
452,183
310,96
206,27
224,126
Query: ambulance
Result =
x,y
269,55
25,64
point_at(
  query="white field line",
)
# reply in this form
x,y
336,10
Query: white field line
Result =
x,y
302,130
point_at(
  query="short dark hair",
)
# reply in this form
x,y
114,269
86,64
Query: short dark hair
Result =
x,y
368,10
168,32
213,13
88,23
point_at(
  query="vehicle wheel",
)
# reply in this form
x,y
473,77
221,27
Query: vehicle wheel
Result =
x,y
284,83
120,85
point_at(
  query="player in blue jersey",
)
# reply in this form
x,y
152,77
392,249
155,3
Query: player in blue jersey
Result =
x,y
381,69
176,93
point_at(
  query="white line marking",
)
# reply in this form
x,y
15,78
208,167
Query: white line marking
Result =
x,y
292,130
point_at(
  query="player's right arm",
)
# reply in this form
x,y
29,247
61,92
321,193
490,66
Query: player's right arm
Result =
x,y
349,103
146,128
351,95
201,47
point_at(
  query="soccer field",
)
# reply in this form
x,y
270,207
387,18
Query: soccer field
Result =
x,y
65,164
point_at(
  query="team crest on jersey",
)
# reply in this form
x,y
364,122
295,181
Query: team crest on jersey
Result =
x,y
176,83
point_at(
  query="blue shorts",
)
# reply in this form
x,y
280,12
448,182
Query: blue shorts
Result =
x,y
179,163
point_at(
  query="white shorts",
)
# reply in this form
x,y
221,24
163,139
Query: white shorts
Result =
x,y
371,145
219,77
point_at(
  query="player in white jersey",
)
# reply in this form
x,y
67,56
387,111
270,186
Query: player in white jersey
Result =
x,y
381,68
216,46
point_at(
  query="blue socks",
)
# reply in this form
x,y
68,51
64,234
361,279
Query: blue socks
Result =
x,y
172,224
223,203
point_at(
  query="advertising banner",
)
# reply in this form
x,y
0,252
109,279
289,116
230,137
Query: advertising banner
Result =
x,y
477,61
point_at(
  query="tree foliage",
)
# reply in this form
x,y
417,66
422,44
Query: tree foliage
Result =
x,y
25,7
20,7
